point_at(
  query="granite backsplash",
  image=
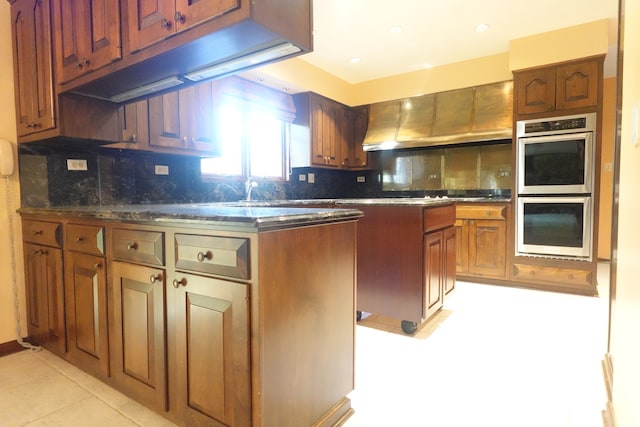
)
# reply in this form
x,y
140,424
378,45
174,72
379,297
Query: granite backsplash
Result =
x,y
120,177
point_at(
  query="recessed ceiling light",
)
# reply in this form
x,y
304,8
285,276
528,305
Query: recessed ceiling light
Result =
x,y
355,60
481,28
395,29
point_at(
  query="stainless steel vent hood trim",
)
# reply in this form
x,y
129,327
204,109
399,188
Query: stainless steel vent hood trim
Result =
x,y
474,114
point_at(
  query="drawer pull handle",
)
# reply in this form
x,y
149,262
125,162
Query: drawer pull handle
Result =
x,y
155,278
37,232
40,252
132,246
205,255
177,283
79,239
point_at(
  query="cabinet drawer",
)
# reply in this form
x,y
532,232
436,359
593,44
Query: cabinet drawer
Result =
x,y
439,217
481,211
225,256
88,239
139,246
561,276
42,233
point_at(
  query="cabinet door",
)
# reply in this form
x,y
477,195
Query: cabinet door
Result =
x,y
577,85
33,76
87,36
189,13
138,334
434,273
487,247
535,91
45,297
359,125
324,123
202,103
147,21
168,120
86,312
212,351
133,119
450,253
462,246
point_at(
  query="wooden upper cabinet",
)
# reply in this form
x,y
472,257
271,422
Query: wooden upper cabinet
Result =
x,y
133,119
33,77
577,85
185,119
567,86
87,36
148,21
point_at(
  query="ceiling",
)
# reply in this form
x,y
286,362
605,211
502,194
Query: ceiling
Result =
x,y
435,32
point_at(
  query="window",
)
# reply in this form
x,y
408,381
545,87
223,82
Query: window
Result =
x,y
253,143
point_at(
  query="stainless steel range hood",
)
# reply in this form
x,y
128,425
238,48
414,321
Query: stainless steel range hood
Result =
x,y
474,114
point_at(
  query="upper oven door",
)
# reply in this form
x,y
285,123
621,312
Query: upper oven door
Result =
x,y
555,164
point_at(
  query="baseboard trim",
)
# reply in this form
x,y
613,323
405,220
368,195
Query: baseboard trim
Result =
x,y
10,347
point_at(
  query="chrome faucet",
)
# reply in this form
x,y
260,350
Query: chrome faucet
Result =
x,y
249,185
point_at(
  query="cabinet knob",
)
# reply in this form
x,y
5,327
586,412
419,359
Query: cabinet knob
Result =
x,y
166,24
133,138
155,278
37,232
40,252
97,265
132,246
179,17
79,65
79,239
86,62
204,255
177,283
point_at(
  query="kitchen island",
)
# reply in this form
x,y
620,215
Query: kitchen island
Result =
x,y
210,315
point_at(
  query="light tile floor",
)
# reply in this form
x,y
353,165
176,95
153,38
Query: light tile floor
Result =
x,y
494,357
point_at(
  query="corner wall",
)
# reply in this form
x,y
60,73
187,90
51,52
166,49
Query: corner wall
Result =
x,y
8,131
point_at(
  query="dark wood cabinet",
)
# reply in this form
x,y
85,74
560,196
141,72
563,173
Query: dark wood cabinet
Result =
x,y
133,120
44,284
148,22
86,35
85,273
212,351
434,252
137,334
405,259
481,240
185,119
558,88
86,312
336,131
33,75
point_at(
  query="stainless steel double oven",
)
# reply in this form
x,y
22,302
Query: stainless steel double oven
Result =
x,y
555,174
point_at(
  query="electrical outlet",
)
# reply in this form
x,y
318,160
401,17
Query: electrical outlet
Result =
x,y
360,179
311,178
76,164
302,177
162,170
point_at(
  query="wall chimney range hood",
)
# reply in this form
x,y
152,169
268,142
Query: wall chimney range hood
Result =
x,y
473,114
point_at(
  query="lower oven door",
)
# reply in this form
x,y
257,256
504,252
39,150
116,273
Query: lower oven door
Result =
x,y
554,226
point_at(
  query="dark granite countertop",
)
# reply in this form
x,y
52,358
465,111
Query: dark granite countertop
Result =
x,y
220,214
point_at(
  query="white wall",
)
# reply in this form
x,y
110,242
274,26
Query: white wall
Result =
x,y
8,131
625,327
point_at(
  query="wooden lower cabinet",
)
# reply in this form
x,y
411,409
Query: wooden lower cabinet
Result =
x,y
213,377
211,327
481,240
45,297
86,312
137,334
434,273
